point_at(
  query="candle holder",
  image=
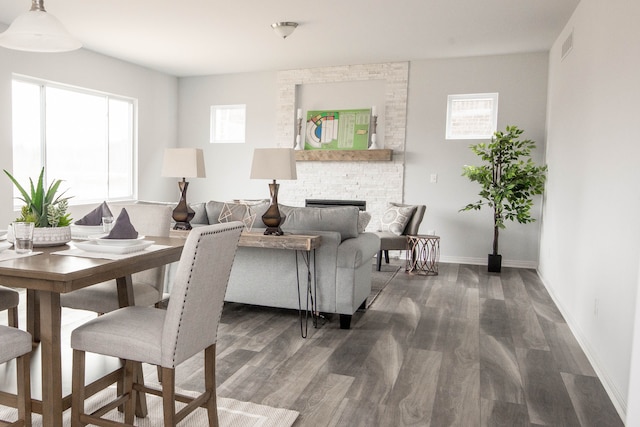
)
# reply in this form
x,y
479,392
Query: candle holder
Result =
x,y
299,145
374,126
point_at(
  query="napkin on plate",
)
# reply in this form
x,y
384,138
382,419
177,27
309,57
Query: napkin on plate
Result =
x,y
123,229
95,216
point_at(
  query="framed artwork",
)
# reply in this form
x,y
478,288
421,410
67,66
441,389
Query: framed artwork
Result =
x,y
337,129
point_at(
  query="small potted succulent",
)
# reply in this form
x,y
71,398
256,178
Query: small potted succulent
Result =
x,y
46,209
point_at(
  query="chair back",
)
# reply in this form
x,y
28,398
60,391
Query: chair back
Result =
x,y
149,220
413,226
197,294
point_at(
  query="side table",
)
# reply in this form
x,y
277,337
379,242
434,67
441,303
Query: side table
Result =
x,y
423,254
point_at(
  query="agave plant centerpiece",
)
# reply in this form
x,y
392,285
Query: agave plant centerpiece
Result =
x,y
46,209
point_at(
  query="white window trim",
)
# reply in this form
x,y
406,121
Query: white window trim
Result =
x,y
470,97
236,139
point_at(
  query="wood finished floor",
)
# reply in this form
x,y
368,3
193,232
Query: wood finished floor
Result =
x,y
464,348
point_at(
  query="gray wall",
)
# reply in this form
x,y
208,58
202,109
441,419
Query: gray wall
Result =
x,y
157,105
590,243
521,81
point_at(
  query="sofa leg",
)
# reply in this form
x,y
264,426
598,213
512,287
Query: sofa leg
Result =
x,y
345,321
379,259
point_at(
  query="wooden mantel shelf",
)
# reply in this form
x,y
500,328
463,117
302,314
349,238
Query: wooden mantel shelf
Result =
x,y
343,155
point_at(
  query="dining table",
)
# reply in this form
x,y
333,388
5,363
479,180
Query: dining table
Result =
x,y
51,271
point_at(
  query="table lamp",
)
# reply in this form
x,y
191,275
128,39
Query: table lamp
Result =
x,y
273,163
183,163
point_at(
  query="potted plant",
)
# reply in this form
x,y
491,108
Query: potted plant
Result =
x,y
46,209
508,179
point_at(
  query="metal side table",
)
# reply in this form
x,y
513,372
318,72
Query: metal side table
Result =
x,y
423,254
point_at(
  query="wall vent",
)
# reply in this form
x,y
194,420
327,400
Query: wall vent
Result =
x,y
567,45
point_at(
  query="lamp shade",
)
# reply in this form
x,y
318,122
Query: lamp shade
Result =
x,y
38,31
183,163
273,163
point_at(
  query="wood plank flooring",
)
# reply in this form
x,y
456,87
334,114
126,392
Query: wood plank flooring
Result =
x,y
464,348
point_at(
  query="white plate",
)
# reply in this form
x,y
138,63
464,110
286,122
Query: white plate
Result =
x,y
98,238
84,231
5,245
93,246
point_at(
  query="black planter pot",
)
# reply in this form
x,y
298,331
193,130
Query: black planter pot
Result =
x,y
495,263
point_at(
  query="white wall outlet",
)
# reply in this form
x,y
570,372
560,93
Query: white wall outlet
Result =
x,y
434,178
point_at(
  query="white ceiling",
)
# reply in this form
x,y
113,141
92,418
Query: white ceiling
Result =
x,y
202,37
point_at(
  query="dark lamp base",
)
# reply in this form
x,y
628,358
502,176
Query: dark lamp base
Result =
x,y
182,226
275,231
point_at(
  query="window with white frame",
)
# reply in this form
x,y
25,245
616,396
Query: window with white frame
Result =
x,y
228,123
83,137
472,116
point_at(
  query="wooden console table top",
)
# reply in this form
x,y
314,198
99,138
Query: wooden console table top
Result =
x,y
295,242
256,239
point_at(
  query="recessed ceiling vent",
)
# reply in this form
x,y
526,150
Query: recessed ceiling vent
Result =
x,y
567,46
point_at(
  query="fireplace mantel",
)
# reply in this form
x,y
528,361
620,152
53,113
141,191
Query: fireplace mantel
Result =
x,y
343,155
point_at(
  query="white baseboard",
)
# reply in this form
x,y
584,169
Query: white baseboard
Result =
x,y
473,260
618,400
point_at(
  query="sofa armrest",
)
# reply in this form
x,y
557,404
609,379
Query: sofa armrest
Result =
x,y
353,252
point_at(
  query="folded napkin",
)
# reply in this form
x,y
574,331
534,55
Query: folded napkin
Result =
x,y
123,229
95,216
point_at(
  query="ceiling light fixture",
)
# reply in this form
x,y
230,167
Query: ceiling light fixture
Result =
x,y
38,31
284,29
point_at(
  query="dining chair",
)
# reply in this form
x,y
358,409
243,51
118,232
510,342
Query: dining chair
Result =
x,y
164,338
148,286
16,344
391,241
9,300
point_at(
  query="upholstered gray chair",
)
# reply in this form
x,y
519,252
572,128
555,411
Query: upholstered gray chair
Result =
x,y
390,241
168,337
9,300
16,344
148,220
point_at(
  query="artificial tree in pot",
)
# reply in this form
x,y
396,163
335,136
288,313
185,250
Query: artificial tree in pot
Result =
x,y
509,179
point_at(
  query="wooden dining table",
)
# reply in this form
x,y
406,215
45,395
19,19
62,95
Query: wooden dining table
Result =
x,y
45,276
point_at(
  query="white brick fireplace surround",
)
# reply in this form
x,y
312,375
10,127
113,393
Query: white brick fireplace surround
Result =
x,y
376,182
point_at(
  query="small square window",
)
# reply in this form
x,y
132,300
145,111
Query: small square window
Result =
x,y
228,123
473,116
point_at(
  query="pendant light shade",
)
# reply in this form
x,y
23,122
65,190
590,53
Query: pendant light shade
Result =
x,y
38,31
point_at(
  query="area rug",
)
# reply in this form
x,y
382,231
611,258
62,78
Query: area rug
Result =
x,y
231,413
380,279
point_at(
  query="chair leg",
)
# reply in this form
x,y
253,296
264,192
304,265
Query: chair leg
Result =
x,y
210,384
386,256
13,317
130,376
24,388
77,396
169,396
379,259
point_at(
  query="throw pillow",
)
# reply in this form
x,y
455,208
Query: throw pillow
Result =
x,y
396,218
364,218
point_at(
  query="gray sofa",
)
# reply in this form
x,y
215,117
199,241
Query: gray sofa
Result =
x,y
267,277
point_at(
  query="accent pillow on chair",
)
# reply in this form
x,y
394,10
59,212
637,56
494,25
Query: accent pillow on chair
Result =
x,y
396,218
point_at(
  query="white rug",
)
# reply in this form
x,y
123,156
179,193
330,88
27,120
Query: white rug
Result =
x,y
231,413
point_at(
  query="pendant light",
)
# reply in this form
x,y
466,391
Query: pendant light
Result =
x,y
38,31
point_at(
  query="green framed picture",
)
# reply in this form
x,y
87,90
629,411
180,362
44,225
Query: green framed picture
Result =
x,y
337,129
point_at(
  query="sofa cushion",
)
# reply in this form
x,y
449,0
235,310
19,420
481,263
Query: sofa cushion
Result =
x,y
342,219
396,218
213,209
201,213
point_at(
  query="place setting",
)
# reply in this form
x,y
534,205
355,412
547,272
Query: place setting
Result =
x,y
113,240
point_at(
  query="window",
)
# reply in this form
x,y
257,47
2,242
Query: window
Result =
x,y
228,123
82,137
473,116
